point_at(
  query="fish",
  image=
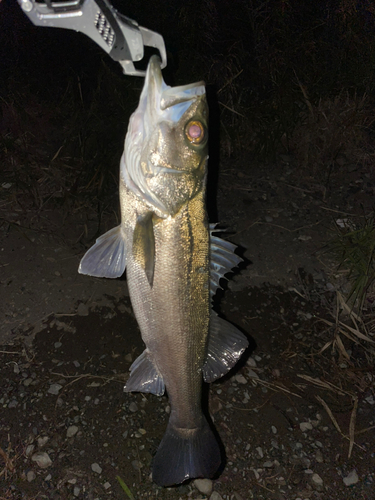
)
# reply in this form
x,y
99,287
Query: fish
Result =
x,y
174,262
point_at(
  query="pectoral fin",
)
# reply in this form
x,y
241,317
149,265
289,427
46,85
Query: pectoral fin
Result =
x,y
144,245
144,376
226,345
107,258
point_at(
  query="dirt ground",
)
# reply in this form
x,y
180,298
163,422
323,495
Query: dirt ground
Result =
x,y
67,429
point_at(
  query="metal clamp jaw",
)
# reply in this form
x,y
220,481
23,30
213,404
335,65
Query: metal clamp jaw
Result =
x,y
121,37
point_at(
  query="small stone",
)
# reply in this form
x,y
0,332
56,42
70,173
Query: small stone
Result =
x,y
251,362
133,407
30,476
29,449
107,485
27,382
82,310
76,363
351,478
54,389
240,379
260,452
204,486
319,457
274,430
76,491
71,431
96,468
317,482
137,464
42,459
305,426
252,374
42,441
268,464
13,404
57,345
128,358
48,477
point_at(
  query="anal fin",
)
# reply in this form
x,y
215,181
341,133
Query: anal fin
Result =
x,y
144,376
226,345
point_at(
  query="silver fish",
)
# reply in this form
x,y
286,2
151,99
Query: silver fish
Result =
x,y
174,264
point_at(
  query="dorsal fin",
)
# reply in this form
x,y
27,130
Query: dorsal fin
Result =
x,y
222,259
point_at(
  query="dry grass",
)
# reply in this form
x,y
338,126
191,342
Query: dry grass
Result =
x,y
333,133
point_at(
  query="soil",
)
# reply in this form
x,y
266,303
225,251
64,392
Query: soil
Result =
x,y
67,429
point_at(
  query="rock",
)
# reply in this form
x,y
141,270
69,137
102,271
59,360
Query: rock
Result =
x,y
42,441
204,486
260,451
82,310
216,496
96,468
268,464
305,426
54,389
351,478
107,485
137,464
317,482
274,430
133,407
30,476
252,374
251,362
76,491
42,459
71,431
319,457
240,379
29,449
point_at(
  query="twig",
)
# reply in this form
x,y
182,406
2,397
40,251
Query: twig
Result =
x,y
274,387
353,418
230,109
325,385
335,423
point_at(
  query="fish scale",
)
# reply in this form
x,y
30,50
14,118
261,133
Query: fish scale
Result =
x,y
174,264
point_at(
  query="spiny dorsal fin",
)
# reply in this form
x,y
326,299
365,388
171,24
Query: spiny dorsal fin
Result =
x,y
222,260
144,245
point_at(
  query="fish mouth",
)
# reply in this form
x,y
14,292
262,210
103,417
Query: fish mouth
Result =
x,y
158,103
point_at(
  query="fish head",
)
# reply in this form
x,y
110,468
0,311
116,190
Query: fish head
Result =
x,y
166,150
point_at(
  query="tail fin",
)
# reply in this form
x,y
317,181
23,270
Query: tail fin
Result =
x,y
184,454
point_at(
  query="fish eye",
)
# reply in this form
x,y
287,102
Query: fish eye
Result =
x,y
195,132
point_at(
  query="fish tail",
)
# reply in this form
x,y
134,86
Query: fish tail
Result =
x,y
186,453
